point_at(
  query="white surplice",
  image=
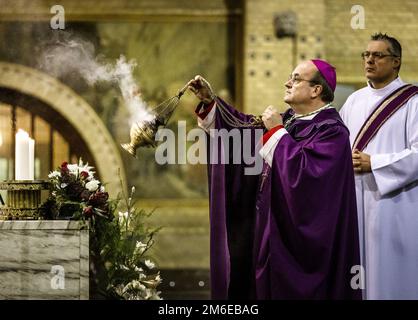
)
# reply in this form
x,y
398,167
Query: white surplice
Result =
x,y
387,198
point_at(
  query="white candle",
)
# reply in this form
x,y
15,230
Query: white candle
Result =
x,y
24,156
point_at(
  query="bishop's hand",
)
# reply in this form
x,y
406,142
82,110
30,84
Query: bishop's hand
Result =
x,y
271,118
202,89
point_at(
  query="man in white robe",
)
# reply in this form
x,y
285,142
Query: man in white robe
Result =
x,y
386,178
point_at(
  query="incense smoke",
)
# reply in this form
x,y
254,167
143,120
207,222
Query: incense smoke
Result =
x,y
68,56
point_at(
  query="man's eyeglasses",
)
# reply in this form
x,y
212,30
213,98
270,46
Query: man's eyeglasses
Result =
x,y
295,79
375,55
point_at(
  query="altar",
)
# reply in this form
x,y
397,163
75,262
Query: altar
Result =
x,y
42,259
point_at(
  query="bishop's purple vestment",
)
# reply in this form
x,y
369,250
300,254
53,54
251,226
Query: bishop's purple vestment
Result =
x,y
291,232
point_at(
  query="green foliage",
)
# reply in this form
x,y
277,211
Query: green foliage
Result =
x,y
120,267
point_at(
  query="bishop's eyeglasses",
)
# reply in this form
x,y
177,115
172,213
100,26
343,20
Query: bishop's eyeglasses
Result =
x,y
377,55
293,78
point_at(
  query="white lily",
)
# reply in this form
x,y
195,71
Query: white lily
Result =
x,y
54,174
149,264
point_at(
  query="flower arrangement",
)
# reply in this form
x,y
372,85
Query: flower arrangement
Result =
x,y
76,193
119,239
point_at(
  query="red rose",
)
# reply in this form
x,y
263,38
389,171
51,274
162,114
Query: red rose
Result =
x,y
64,169
88,211
98,198
84,175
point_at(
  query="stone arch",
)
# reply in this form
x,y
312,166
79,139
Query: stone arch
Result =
x,y
76,111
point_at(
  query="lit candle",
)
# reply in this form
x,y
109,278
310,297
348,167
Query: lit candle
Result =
x,y
24,156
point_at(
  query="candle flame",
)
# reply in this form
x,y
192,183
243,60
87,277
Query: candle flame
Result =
x,y
22,133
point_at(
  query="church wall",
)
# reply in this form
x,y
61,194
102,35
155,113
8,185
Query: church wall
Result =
x,y
325,31
268,60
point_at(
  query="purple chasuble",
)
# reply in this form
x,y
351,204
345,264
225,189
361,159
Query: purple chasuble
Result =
x,y
295,235
306,234
232,196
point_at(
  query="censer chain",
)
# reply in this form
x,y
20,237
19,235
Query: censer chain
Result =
x,y
226,115
232,120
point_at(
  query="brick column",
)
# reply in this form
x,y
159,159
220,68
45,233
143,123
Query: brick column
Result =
x,y
268,60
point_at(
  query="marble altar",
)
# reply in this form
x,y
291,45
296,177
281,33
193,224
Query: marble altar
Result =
x,y
44,259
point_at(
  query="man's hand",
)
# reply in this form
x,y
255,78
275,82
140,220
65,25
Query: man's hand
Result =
x,y
202,89
361,162
271,118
